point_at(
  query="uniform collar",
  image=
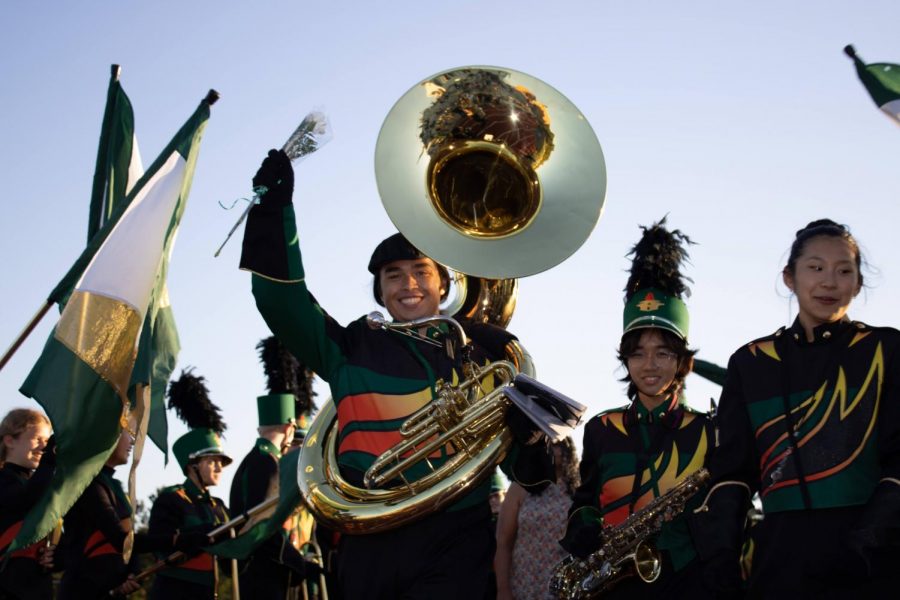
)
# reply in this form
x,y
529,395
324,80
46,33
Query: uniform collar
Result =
x,y
193,491
823,334
667,412
268,447
18,470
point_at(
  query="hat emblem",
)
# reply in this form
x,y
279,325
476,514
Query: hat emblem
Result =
x,y
649,303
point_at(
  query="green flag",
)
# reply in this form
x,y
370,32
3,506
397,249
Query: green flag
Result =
x,y
882,81
710,371
258,532
83,374
118,159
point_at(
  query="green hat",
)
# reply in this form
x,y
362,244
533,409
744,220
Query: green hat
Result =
x,y
655,284
498,483
196,443
275,409
189,397
652,307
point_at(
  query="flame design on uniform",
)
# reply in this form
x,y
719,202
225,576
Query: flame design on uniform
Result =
x,y
668,476
846,409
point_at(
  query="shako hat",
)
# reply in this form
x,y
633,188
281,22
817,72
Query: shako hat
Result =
x,y
653,294
290,397
190,399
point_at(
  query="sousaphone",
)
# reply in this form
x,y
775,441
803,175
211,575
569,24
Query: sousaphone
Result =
x,y
490,172
496,175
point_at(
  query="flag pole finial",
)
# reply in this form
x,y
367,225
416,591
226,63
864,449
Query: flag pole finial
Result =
x,y
115,71
211,97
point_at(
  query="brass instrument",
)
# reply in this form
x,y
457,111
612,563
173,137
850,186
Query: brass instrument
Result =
x,y
490,171
496,175
472,422
626,550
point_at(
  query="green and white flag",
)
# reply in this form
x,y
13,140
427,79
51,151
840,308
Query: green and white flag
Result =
x,y
83,375
118,158
882,81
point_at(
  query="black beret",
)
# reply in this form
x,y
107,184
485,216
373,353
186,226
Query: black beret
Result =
x,y
396,247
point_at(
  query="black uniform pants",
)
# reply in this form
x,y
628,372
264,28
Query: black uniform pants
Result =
x,y
444,556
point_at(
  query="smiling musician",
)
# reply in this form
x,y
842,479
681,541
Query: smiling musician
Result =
x,y
638,452
377,379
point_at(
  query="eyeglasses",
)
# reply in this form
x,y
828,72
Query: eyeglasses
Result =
x,y
660,357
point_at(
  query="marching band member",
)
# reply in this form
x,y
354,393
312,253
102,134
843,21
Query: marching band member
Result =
x,y
27,460
636,453
270,570
186,512
810,419
377,379
98,535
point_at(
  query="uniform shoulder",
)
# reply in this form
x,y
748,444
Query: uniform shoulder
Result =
x,y
693,411
764,344
881,329
490,337
171,492
610,411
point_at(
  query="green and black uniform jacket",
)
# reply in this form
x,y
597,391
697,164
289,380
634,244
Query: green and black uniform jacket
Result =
x,y
256,480
21,576
814,428
377,378
631,456
184,508
95,532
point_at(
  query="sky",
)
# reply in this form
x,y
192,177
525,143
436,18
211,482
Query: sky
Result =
x,y
740,121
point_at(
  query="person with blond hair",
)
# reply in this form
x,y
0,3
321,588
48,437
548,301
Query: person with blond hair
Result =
x,y
26,465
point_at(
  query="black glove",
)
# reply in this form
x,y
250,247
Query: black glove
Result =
x,y
49,455
190,542
524,430
277,175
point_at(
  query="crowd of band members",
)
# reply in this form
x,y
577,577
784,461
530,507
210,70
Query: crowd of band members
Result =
x,y
808,420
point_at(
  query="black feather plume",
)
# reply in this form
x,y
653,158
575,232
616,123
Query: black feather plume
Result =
x,y
189,397
656,261
286,375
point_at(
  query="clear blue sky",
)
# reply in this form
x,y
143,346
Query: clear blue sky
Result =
x,y
741,121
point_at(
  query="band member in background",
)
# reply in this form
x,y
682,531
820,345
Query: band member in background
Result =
x,y
810,419
377,379
187,512
27,460
98,538
271,571
636,453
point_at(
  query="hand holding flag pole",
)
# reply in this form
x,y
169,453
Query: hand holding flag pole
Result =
x,y
177,557
312,133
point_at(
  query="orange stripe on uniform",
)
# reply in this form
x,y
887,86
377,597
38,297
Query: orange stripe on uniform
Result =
x,y
376,442
201,562
381,407
9,535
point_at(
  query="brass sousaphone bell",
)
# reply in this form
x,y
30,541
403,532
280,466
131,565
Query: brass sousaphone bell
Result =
x,y
496,175
490,172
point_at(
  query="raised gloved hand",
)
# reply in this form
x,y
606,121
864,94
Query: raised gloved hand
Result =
x,y
277,176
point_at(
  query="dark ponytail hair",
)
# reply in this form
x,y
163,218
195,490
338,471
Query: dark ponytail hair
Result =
x,y
827,228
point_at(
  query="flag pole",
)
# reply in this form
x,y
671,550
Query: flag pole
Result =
x,y
26,332
176,557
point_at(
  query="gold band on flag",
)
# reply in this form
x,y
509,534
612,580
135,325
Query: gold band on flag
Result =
x,y
102,332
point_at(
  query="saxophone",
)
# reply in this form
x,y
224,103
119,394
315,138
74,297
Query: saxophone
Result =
x,y
577,579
